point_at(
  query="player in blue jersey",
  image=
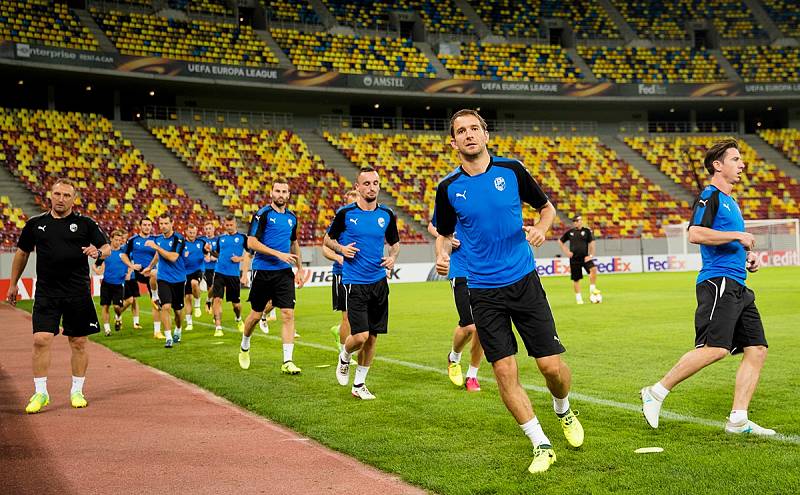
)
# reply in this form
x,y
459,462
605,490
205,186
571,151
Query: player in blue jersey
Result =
x,y
484,198
210,262
726,320
140,256
171,276
342,330
193,260
465,331
229,274
364,227
112,289
273,239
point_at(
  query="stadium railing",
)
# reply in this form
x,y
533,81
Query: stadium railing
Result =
x,y
372,123
681,127
215,117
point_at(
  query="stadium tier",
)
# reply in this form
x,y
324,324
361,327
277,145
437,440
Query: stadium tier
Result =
x,y
522,18
787,141
240,165
764,191
350,54
765,63
785,14
11,219
116,186
511,62
213,7
442,16
656,19
298,11
194,41
579,174
44,22
652,65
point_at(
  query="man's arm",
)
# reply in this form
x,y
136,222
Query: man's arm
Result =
x,y
146,271
591,250
537,234
245,268
171,256
711,237
331,254
444,247
17,267
125,259
564,249
299,276
255,245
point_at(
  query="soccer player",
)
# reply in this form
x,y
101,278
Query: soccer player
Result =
x,y
342,330
484,198
139,256
726,320
365,226
465,330
273,239
210,262
171,276
228,274
62,240
581,257
193,260
112,289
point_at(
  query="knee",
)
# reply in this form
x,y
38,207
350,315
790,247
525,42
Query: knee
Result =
x,y
550,368
757,353
504,368
78,344
287,314
41,340
360,338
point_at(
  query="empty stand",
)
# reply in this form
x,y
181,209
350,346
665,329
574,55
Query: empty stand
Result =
x,y
12,220
511,62
44,22
439,16
298,11
787,141
785,14
765,63
652,65
522,18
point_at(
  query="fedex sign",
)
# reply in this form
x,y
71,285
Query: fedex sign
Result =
x,y
549,267
672,262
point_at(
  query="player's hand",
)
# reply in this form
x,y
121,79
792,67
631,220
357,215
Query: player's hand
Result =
x,y
237,259
147,271
753,262
151,244
350,250
300,278
587,258
11,295
207,247
91,251
288,258
455,243
340,260
748,240
244,279
534,236
137,267
388,262
443,265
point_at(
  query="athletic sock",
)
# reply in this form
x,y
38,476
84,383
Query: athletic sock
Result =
x,y
245,342
472,372
578,297
533,430
238,319
41,384
77,384
288,349
272,313
345,356
218,327
135,320
454,357
659,392
592,288
561,406
738,416
168,334
107,327
156,326
360,376
197,303
188,319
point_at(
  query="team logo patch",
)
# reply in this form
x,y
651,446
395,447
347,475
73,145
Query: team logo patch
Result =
x,y
381,222
290,221
236,240
73,227
186,254
499,183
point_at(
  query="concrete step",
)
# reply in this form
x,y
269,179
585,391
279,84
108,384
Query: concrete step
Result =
x,y
580,63
772,155
480,27
427,50
283,60
625,29
19,195
87,20
726,66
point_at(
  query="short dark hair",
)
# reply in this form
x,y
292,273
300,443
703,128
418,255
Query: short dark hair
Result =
x,y
230,217
143,219
717,151
280,180
118,232
166,215
64,182
576,217
466,111
364,170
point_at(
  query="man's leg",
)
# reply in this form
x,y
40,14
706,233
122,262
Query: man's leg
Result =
x,y
166,323
287,337
746,381
460,338
79,362
557,375
41,353
576,286
105,317
366,354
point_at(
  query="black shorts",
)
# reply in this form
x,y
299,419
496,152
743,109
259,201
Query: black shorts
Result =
x,y
461,296
208,275
171,293
525,304
576,267
193,276
272,285
111,294
228,286
143,280
338,295
367,307
132,288
77,314
727,316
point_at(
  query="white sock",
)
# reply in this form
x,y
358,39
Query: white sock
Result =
x,y
107,327
188,319
561,406
288,349
578,297
738,416
41,384
263,317
361,375
472,372
77,384
272,313
135,320
197,303
168,334
238,319
156,326
659,392
592,288
345,356
177,332
245,343
454,357
218,327
533,430
117,318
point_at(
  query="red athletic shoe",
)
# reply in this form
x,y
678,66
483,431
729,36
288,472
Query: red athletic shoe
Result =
x,y
473,385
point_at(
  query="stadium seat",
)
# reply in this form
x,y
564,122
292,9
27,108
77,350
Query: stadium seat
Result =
x,y
652,65
787,141
44,22
12,219
765,63
511,62
440,16
297,11
785,14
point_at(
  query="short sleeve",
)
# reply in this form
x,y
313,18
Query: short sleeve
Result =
x,y
565,237
27,239
392,235
337,225
97,237
258,224
529,190
705,210
443,212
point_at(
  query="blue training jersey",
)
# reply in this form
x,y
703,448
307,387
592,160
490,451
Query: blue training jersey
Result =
x,y
275,230
716,210
230,245
172,272
487,209
458,267
137,252
115,270
214,242
368,229
194,255
336,267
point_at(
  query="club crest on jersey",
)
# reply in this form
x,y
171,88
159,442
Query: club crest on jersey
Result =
x,y
381,222
186,254
499,183
289,220
236,240
73,227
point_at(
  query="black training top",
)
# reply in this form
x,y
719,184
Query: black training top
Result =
x,y
579,240
61,267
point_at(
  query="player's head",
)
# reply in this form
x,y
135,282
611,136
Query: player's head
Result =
x,y
577,221
468,133
368,184
208,229
351,196
62,196
191,232
145,226
165,224
280,192
724,159
229,224
117,239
